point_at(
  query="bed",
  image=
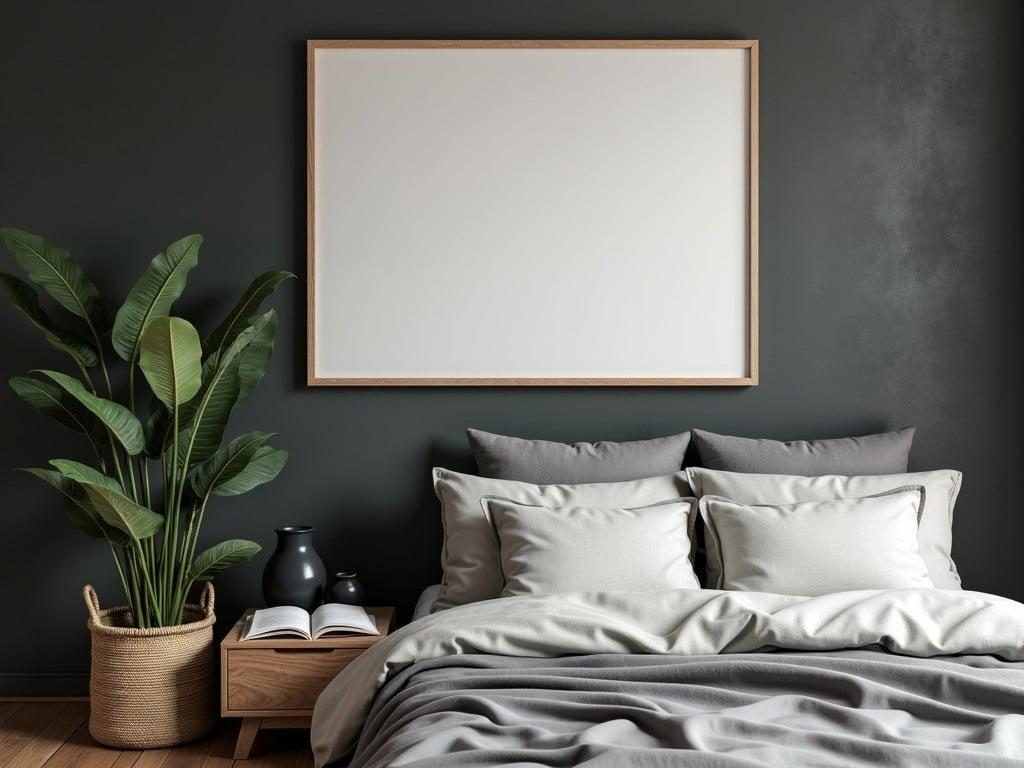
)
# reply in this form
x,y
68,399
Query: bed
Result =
x,y
689,677
759,610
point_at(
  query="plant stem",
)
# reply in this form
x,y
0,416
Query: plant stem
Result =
x,y
131,477
166,541
117,461
141,619
85,376
131,386
167,565
120,571
188,552
151,553
172,510
103,357
131,408
144,472
146,578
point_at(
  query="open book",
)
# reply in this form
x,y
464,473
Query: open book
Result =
x,y
291,621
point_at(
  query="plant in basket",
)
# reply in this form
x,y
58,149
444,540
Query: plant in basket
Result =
x,y
155,463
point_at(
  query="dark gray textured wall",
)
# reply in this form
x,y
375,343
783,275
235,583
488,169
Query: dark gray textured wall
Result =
x,y
890,263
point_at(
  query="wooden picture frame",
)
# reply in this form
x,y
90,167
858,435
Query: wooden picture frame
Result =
x,y
741,372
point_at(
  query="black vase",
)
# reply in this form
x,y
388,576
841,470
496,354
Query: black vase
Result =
x,y
295,574
345,588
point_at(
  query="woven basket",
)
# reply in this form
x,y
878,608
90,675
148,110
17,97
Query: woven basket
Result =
x,y
151,687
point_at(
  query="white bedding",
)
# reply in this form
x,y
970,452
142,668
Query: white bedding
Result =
x,y
925,622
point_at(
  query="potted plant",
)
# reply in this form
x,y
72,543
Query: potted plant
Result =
x,y
153,468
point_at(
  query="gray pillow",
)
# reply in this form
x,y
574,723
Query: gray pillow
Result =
x,y
882,454
544,462
934,533
472,569
590,549
817,547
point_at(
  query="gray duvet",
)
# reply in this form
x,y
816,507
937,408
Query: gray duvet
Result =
x,y
689,678
845,708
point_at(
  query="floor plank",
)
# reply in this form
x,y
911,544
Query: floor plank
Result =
x,y
36,734
35,726
191,755
18,730
152,758
61,723
223,747
80,751
127,759
303,753
279,749
8,708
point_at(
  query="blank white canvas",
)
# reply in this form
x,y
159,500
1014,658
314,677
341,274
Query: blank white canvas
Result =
x,y
529,213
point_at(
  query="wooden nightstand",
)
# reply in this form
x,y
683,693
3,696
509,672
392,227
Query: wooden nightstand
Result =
x,y
274,683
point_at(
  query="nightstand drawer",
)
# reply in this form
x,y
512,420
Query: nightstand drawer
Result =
x,y
273,679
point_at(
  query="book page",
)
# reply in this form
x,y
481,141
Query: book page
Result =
x,y
282,620
336,617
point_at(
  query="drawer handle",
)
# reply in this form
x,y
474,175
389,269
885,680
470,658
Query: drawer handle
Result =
x,y
304,650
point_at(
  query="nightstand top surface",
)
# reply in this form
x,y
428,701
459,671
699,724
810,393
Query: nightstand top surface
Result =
x,y
384,616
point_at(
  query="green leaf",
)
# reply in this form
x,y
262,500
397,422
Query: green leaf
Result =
x,y
24,297
119,420
154,294
236,347
252,365
242,315
81,510
59,406
83,473
81,513
170,356
213,408
221,556
211,417
226,463
100,500
118,510
59,275
265,465
158,424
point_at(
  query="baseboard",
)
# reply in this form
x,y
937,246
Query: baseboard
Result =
x,y
42,699
43,684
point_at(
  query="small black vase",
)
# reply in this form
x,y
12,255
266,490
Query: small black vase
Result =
x,y
345,588
295,574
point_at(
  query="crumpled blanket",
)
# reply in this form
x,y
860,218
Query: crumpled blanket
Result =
x,y
675,670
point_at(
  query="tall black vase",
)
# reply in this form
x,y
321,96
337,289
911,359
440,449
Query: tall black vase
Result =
x,y
295,574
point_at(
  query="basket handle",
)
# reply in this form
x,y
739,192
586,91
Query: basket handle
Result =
x,y
206,599
92,603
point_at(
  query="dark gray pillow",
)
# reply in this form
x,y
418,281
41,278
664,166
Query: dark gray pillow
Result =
x,y
546,463
882,454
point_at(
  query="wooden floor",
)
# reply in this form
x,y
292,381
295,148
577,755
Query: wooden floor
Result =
x,y
34,734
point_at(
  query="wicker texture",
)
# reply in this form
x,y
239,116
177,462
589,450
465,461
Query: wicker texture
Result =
x,y
151,687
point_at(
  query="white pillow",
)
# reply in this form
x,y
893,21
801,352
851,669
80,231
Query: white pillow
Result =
x,y
472,571
817,547
935,532
589,549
